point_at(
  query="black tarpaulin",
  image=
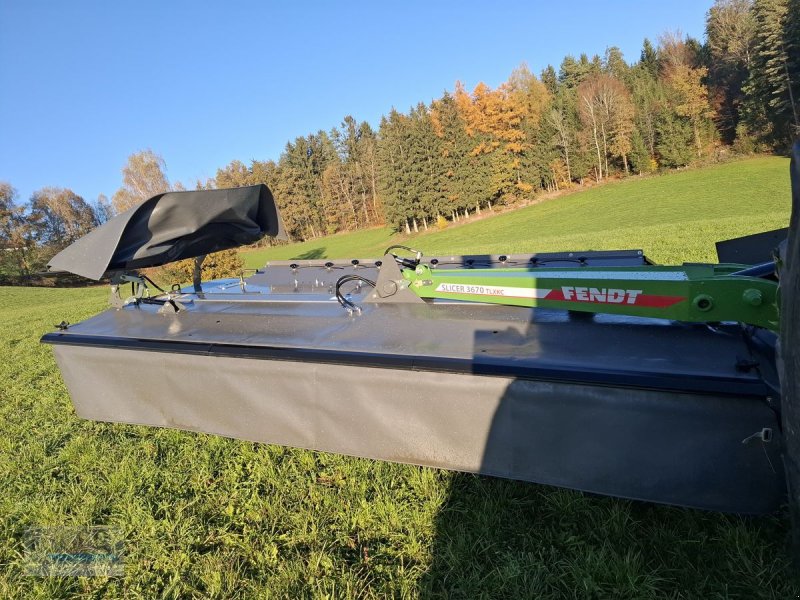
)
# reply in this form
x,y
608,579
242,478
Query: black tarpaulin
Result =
x,y
174,226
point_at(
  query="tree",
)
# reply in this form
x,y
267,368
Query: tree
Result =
x,y
684,77
792,37
59,217
8,211
572,72
550,79
648,60
730,31
532,100
673,51
614,64
15,241
606,108
620,113
690,97
142,177
773,86
494,119
103,209
302,165
394,168
235,174
641,158
674,140
351,181
455,160
649,99
562,136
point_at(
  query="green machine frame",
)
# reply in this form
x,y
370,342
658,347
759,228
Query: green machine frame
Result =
x,y
701,293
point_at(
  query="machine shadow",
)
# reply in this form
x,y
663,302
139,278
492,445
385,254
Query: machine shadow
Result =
x,y
508,538
311,254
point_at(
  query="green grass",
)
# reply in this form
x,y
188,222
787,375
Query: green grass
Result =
x,y
205,516
673,218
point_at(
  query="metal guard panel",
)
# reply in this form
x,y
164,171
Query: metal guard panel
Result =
x,y
667,447
478,365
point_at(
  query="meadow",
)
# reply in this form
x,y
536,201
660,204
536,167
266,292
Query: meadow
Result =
x,y
209,517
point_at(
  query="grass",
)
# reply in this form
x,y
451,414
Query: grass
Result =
x,y
673,218
208,517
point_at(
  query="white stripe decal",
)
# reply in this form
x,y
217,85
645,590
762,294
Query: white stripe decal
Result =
x,y
578,273
492,290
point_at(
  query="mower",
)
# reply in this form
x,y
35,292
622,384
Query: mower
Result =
x,y
596,370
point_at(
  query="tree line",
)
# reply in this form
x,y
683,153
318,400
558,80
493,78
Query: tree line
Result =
x,y
683,101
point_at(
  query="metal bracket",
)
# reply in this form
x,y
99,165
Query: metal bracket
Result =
x,y
391,286
117,280
170,305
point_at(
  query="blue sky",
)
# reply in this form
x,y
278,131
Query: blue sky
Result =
x,y
85,84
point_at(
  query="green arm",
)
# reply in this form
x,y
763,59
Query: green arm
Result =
x,y
694,293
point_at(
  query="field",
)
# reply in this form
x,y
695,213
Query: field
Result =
x,y
205,516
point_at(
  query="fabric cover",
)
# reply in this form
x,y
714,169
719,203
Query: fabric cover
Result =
x,y
171,227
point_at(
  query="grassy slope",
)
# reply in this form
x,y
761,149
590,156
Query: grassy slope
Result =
x,y
210,517
674,218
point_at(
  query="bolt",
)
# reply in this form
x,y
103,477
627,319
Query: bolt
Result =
x,y
703,302
752,297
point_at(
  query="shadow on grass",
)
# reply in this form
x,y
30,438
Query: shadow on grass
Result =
x,y
506,539
502,538
311,254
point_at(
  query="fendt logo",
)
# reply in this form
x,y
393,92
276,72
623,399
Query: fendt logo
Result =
x,y
569,293
602,295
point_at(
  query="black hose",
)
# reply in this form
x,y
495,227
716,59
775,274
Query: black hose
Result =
x,y
349,304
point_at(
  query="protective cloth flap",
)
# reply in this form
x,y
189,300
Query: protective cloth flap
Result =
x,y
174,226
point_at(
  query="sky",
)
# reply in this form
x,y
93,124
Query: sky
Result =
x,y
85,84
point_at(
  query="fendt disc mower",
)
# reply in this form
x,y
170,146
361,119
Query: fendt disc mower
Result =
x,y
596,370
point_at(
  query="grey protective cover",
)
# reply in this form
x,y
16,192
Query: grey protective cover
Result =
x,y
174,226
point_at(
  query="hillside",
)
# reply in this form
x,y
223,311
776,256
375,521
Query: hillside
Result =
x,y
674,217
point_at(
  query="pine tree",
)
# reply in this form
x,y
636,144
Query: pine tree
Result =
x,y
456,161
550,79
648,61
774,83
648,99
572,72
641,159
674,139
614,64
792,40
303,162
394,169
